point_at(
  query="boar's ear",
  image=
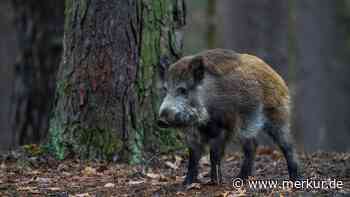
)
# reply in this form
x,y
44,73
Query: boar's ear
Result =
x,y
164,63
197,67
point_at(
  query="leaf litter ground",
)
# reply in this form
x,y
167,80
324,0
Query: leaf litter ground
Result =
x,y
44,176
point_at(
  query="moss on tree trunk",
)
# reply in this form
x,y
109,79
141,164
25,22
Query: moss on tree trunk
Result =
x,y
106,101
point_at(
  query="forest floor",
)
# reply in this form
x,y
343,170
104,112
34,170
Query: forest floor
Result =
x,y
44,176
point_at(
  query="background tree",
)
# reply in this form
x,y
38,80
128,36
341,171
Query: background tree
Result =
x,y
306,43
211,23
106,101
8,52
39,28
260,28
322,64
257,27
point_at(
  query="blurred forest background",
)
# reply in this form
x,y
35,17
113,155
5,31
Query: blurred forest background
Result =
x,y
306,41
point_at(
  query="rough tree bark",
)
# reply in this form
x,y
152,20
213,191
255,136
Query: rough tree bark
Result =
x,y
39,27
106,99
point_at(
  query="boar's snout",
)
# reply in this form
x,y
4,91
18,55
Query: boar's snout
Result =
x,y
163,118
171,118
176,112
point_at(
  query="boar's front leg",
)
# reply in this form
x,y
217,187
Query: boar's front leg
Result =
x,y
195,153
249,145
253,122
217,150
192,170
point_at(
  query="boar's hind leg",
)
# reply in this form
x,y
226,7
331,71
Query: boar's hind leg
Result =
x,y
249,145
281,136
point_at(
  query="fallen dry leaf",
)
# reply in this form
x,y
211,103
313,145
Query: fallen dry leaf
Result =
x,y
124,180
205,161
232,158
180,193
241,192
157,183
171,165
66,173
82,195
54,188
276,155
88,171
136,182
222,194
153,175
179,178
225,194
62,167
109,185
42,180
32,190
178,160
34,172
26,188
193,186
164,157
3,166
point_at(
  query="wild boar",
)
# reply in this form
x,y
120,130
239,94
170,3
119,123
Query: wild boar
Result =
x,y
220,93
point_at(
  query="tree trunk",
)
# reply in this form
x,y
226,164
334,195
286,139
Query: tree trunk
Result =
x,y
258,27
8,52
39,32
211,27
106,98
322,74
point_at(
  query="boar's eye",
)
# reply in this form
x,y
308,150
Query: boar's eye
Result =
x,y
182,91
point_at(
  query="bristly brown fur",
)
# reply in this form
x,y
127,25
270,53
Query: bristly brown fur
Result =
x,y
216,61
222,62
241,95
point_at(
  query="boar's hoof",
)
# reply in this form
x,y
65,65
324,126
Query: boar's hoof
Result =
x,y
214,182
189,181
